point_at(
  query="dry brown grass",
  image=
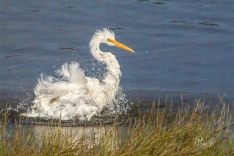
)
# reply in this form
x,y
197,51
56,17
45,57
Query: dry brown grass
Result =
x,y
189,131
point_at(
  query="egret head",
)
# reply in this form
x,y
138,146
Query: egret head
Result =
x,y
107,36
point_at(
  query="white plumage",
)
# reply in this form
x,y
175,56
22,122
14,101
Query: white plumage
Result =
x,y
72,94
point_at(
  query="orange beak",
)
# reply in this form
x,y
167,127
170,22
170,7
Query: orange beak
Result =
x,y
120,45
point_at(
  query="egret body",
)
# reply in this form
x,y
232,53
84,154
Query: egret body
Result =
x,y
72,94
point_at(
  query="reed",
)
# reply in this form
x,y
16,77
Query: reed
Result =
x,y
189,131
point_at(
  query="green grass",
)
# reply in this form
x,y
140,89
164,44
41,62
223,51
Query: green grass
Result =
x,y
189,131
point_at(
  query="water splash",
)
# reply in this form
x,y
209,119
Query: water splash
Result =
x,y
120,104
71,95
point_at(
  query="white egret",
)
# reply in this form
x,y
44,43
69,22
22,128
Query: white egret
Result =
x,y
73,94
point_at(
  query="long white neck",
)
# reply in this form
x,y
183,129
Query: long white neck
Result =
x,y
112,76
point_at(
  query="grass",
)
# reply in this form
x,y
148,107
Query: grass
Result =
x,y
189,131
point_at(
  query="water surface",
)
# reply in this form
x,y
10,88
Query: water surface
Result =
x,y
182,47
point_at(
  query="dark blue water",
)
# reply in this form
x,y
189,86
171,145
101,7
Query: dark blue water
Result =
x,y
182,46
